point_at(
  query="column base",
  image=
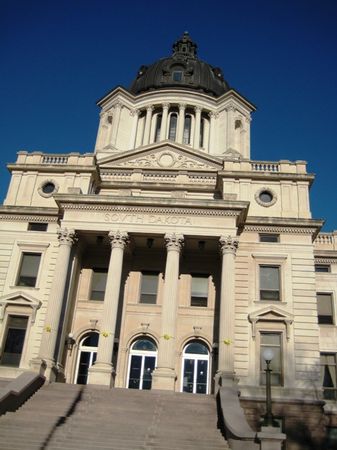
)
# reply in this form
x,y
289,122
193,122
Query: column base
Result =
x,y
225,379
102,374
270,438
48,368
164,379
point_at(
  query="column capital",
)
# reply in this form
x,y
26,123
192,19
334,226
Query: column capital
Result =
x,y
197,109
66,237
213,114
166,105
182,106
174,241
118,105
134,112
228,244
149,108
118,239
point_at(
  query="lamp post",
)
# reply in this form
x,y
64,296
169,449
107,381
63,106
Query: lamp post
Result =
x,y
268,420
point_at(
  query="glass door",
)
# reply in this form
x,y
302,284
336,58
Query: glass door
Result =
x,y
195,368
143,356
86,357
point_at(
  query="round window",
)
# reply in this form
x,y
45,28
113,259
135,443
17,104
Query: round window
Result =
x,y
48,187
266,196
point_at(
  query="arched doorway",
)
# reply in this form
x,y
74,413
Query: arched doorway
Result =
x,y
87,353
195,373
142,361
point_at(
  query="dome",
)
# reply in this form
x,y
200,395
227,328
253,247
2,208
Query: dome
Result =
x,y
182,70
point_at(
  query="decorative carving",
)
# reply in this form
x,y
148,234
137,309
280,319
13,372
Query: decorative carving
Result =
x,y
25,218
66,237
322,260
278,229
232,154
118,105
166,105
118,239
213,114
182,106
174,241
228,244
197,109
271,314
167,159
21,299
149,108
134,112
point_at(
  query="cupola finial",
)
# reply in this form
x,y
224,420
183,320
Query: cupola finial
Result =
x,y
185,46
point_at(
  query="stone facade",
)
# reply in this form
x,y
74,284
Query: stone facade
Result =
x,y
169,234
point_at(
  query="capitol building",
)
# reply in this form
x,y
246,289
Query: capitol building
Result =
x,y
169,259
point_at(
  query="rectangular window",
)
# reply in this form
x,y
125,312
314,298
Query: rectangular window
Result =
x,y
271,341
329,375
268,237
270,283
36,226
324,308
322,268
29,269
149,287
14,340
98,284
199,290
177,76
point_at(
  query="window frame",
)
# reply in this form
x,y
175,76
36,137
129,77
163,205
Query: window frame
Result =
x,y
42,225
270,266
279,333
327,388
326,294
327,266
19,271
93,271
266,235
141,292
195,276
172,139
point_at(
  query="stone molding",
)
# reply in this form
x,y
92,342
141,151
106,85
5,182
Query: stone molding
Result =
x,y
174,241
280,229
265,204
325,260
152,210
228,244
23,218
272,314
22,299
118,239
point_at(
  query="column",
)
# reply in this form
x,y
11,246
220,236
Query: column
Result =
x,y
148,119
225,370
196,140
181,121
115,123
102,372
212,116
102,130
135,114
51,329
164,375
163,130
230,128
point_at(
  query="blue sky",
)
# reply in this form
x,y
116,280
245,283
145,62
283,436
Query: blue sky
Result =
x,y
58,58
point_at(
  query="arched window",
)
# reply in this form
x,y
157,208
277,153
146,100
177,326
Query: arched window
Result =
x,y
173,127
187,130
142,361
158,128
195,373
87,353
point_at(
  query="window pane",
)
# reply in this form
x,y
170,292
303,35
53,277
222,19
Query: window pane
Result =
x,y
322,268
324,308
329,376
98,284
202,133
269,283
29,269
36,226
148,293
269,237
145,345
177,76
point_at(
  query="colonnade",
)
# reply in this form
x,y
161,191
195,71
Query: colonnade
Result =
x,y
164,375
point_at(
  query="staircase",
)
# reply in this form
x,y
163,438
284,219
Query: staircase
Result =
x,y
73,417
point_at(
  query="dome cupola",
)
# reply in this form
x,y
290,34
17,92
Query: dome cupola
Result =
x,y
182,70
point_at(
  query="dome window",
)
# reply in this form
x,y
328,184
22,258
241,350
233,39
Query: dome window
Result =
x,y
158,128
177,75
173,127
187,130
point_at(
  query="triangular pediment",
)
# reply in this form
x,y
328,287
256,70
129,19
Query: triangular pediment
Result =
x,y
19,298
163,156
271,313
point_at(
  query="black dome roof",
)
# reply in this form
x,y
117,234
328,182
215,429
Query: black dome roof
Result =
x,y
183,70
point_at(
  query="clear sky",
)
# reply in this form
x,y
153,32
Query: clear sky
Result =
x,y
59,57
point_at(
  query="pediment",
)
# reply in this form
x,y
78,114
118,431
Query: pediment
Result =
x,y
19,298
271,313
163,156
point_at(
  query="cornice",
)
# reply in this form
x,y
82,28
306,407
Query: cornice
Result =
x,y
283,225
323,260
267,176
27,214
51,168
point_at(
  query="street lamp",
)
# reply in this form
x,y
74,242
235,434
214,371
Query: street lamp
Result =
x,y
268,420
